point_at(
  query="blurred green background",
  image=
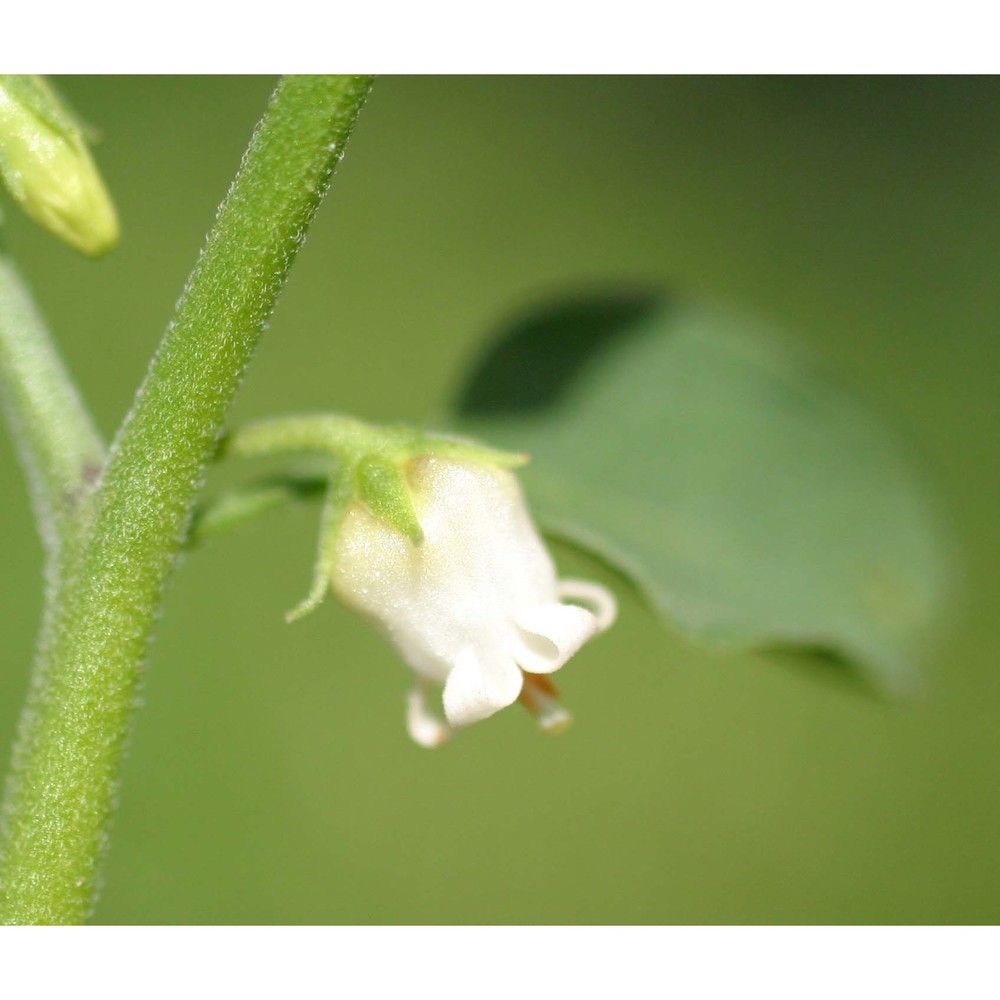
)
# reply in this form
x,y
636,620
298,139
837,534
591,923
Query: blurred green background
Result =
x,y
270,778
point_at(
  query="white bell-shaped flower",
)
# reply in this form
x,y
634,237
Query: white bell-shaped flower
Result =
x,y
476,607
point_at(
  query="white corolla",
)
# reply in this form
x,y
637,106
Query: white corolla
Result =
x,y
476,607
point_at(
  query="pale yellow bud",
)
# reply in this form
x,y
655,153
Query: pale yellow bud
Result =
x,y
45,164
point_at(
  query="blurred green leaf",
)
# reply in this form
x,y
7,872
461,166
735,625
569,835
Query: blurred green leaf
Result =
x,y
751,501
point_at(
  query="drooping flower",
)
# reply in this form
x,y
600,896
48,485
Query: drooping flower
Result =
x,y
475,606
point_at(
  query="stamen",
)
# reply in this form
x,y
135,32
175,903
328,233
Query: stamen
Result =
x,y
541,698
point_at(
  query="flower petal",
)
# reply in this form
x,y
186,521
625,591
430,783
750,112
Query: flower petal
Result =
x,y
550,634
592,596
477,688
424,727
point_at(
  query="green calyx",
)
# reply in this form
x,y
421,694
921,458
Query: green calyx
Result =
x,y
371,466
383,488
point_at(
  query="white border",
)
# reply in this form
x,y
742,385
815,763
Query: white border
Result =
x,y
541,36
689,963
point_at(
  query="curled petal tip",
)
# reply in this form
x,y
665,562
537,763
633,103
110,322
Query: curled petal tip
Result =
x,y
551,634
592,596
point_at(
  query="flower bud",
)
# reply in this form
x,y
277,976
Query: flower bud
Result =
x,y
46,167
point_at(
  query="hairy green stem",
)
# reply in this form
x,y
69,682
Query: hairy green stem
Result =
x,y
58,444
332,433
349,440
72,733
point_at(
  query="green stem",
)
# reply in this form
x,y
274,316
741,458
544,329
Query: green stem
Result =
x,y
69,748
330,433
350,440
58,444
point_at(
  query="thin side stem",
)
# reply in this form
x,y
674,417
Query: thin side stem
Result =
x,y
329,433
73,730
60,449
